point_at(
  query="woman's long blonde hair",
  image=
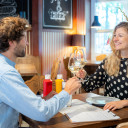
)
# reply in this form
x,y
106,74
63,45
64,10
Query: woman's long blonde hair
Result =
x,y
112,63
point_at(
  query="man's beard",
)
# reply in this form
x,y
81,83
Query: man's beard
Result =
x,y
19,53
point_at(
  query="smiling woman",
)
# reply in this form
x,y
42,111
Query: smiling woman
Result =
x,y
113,71
119,45
120,40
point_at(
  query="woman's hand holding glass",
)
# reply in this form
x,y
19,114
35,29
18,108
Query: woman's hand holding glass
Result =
x,y
82,59
76,63
81,74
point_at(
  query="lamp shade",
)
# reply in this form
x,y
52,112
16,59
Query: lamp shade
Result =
x,y
78,40
96,23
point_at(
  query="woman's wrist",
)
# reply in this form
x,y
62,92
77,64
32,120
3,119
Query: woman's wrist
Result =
x,y
125,103
85,75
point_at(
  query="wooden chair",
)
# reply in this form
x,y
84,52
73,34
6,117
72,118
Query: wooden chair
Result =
x,y
35,84
28,65
65,61
54,71
100,57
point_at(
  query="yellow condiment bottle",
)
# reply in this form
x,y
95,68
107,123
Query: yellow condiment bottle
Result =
x,y
58,82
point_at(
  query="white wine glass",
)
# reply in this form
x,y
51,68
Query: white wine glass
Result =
x,y
74,63
80,54
74,67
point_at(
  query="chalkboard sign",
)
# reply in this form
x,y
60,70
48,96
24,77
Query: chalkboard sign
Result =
x,y
57,14
15,8
7,8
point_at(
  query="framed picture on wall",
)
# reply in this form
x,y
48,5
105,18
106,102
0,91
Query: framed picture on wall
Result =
x,y
16,7
57,14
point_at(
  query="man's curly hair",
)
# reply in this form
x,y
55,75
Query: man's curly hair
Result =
x,y
11,29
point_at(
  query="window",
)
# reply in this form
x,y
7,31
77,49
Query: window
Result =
x,y
109,16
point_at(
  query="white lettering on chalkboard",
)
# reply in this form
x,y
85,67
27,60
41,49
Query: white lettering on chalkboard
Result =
x,y
59,14
7,8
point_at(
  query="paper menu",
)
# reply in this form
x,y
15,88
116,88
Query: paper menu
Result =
x,y
84,112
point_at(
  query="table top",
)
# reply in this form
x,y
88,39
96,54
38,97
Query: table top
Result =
x,y
61,121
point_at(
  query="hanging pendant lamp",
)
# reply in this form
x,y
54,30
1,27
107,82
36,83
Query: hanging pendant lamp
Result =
x,y
96,23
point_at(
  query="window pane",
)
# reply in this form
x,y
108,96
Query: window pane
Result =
x,y
109,13
102,42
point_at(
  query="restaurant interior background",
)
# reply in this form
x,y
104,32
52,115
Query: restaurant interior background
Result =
x,y
48,45
51,44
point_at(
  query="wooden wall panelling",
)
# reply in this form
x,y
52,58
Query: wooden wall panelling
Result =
x,y
53,46
35,30
81,24
29,47
40,31
88,28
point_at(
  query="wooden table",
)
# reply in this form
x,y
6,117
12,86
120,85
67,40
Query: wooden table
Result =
x,y
61,121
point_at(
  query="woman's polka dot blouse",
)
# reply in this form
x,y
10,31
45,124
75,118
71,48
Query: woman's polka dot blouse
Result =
x,y
114,86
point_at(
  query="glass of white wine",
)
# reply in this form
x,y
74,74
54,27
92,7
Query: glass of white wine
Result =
x,y
74,64
80,54
74,67
77,61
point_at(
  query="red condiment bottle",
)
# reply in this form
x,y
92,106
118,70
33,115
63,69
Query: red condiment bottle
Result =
x,y
47,85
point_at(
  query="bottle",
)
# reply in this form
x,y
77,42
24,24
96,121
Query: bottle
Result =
x,y
58,82
47,85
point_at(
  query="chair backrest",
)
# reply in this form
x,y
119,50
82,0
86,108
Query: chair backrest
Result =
x,y
54,71
100,57
55,68
36,83
28,64
65,61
